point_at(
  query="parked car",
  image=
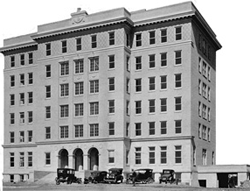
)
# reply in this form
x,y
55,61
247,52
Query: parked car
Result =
x,y
168,176
144,176
96,177
67,175
114,176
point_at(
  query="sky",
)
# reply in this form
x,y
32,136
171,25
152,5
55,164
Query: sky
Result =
x,y
226,18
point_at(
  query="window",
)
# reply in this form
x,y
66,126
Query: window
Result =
x,y
22,99
47,112
127,129
199,65
164,35
12,118
64,132
163,82
138,63
12,137
111,106
78,44
21,177
127,40
94,130
47,159
127,63
204,156
204,69
48,91
111,156
79,88
30,97
64,111
151,61
151,155
199,87
111,61
151,83
199,109
163,104
138,85
178,154
151,128
21,159
111,84
177,126
163,59
178,106
64,46
12,81
111,128
208,94
199,131
94,64
127,107
178,57
163,155
127,157
64,90
64,68
138,39
48,49
30,159
47,133
79,66
31,58
178,80
22,118
22,80
178,34
213,158
22,59
94,108
208,114
204,90
30,76
111,38
30,136
78,109
12,159
93,41
94,86
204,132
12,99
12,61
137,129
208,134
163,127
137,155
138,108
78,131
48,71
151,105
152,37
209,73
127,86
30,116
204,111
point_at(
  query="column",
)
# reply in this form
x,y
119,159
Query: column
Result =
x,y
85,161
70,162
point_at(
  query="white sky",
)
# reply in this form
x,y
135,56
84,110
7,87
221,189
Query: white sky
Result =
x,y
228,19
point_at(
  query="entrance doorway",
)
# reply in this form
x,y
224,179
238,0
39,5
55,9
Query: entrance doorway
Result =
x,y
63,158
93,159
227,180
78,159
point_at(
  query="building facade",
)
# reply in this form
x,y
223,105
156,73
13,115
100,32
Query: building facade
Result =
x,y
112,89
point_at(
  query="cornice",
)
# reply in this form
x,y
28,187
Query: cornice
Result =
x,y
19,145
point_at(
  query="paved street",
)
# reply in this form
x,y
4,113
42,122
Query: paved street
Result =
x,y
110,187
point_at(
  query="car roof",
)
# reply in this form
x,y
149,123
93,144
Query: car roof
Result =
x,y
65,169
143,169
116,169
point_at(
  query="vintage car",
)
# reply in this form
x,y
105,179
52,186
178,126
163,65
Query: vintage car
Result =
x,y
144,176
67,175
114,176
168,176
96,177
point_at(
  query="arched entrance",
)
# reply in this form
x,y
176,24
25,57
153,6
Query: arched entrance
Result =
x,y
63,158
93,159
78,159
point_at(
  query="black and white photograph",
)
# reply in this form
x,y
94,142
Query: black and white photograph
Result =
x,y
124,95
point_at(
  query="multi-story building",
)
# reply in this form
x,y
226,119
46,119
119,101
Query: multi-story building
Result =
x,y
112,89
